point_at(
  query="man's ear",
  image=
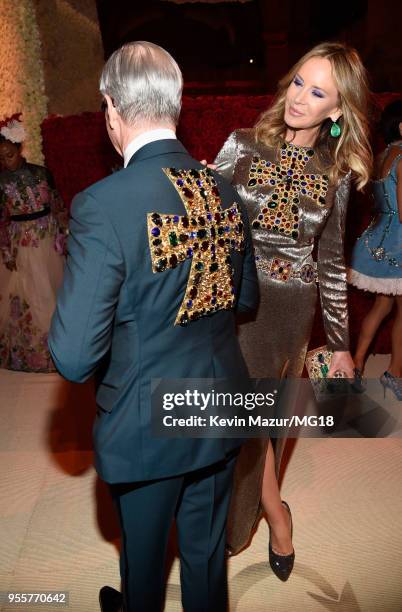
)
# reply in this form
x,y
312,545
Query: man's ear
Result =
x,y
111,112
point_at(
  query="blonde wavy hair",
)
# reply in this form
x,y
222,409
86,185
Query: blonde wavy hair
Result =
x,y
352,149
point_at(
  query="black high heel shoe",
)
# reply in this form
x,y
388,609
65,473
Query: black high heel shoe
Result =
x,y
282,565
110,600
358,385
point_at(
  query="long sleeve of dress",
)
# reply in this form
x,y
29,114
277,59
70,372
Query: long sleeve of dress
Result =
x,y
60,212
58,208
226,159
332,271
3,220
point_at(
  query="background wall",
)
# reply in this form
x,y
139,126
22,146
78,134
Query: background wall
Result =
x,y
52,51
22,87
72,54
51,55
232,47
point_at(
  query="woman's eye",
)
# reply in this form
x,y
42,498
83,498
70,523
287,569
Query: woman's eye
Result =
x,y
297,82
317,94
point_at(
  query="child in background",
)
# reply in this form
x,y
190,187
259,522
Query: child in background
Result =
x,y
33,228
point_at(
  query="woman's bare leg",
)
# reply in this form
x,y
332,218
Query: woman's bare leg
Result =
x,y
371,322
395,367
277,515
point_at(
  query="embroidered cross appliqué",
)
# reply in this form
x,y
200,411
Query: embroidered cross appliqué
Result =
x,y
280,213
206,235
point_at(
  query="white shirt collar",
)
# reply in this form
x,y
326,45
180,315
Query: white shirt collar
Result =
x,y
146,138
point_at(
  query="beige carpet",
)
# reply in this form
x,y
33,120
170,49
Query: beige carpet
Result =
x,y
57,529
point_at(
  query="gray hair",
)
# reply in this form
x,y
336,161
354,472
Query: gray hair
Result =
x,y
144,82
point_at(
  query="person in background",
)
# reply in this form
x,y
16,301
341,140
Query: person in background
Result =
x,y
33,227
294,171
376,263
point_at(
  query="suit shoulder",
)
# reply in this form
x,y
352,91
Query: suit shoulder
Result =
x,y
225,187
125,180
104,185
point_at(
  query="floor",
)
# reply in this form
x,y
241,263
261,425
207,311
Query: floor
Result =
x,y
58,531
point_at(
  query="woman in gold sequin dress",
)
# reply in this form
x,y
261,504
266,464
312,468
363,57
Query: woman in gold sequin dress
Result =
x,y
294,171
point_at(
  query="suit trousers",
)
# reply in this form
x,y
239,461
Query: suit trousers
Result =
x,y
199,502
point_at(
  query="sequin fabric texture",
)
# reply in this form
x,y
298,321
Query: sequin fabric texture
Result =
x,y
281,212
206,235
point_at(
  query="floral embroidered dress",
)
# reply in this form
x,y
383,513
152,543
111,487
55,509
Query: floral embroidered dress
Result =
x,y
33,227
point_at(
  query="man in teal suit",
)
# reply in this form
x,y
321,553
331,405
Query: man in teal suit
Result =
x,y
159,256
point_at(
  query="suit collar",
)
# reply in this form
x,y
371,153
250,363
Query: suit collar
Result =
x,y
158,147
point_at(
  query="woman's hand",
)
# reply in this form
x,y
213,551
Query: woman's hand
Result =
x,y
205,163
341,361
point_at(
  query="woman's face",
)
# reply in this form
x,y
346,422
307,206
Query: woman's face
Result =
x,y
10,156
312,96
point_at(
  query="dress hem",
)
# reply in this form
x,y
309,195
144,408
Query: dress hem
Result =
x,y
388,286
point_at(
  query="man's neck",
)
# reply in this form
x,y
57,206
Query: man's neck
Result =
x,y
144,137
133,132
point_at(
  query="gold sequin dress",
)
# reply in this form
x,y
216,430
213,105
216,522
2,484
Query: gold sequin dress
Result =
x,y
291,203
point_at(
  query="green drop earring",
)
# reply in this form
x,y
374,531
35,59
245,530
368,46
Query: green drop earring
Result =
x,y
335,130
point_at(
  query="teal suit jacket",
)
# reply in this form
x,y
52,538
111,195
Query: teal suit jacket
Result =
x,y
115,314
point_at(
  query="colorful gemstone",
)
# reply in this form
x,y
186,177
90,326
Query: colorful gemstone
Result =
x,y
173,239
161,265
157,220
